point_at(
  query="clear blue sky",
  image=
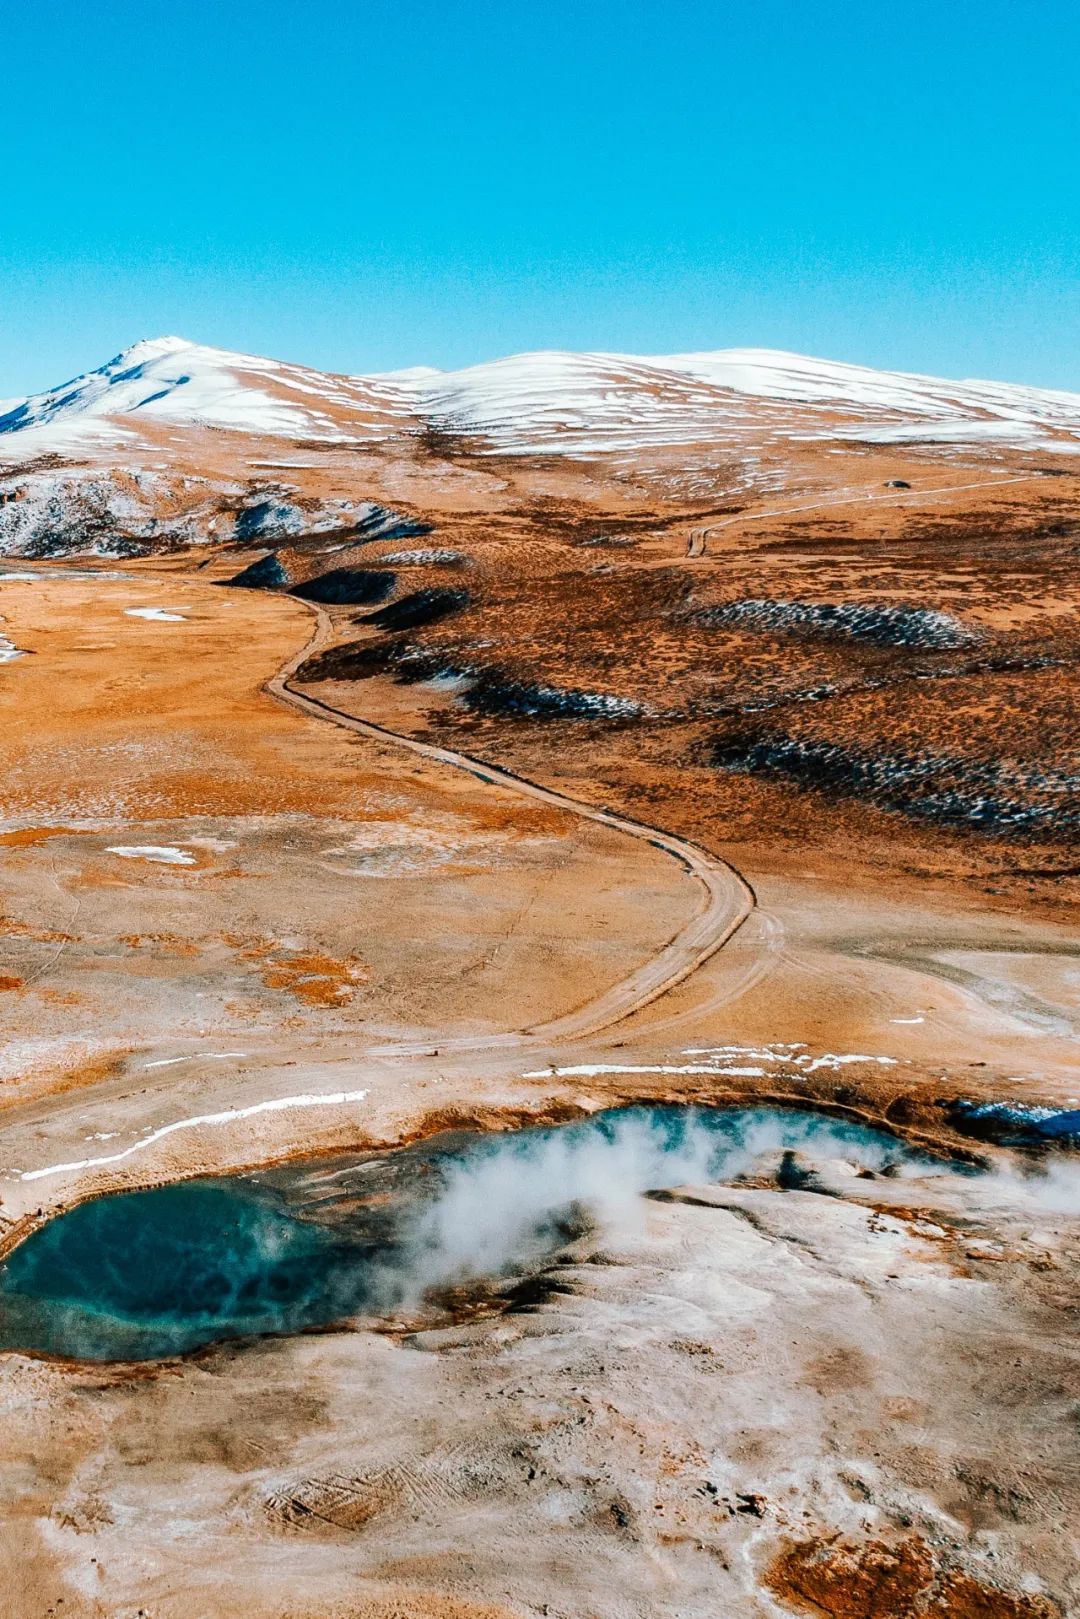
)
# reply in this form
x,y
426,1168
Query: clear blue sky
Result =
x,y
378,183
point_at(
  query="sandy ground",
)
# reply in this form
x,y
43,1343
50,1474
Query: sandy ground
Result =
x,y
856,1400
172,877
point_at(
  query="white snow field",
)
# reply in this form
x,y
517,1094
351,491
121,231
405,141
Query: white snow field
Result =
x,y
545,402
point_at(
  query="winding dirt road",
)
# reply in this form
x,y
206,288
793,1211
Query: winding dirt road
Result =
x,y
727,898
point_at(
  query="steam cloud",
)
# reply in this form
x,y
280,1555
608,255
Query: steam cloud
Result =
x,y
500,1203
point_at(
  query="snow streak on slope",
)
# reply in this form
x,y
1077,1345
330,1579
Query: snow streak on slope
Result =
x,y
550,402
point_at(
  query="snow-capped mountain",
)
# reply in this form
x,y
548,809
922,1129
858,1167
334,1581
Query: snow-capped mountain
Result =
x,y
589,403
548,402
168,380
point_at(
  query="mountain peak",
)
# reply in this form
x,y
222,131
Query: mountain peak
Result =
x,y
149,348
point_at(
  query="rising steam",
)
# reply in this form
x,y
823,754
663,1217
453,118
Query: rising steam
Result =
x,y
500,1203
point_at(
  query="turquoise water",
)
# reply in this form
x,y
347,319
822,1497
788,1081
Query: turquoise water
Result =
x,y
146,1275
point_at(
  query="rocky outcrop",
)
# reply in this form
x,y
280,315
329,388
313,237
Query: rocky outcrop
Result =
x,y
923,627
420,607
54,513
996,796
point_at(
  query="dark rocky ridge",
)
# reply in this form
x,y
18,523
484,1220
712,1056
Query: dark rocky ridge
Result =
x,y
420,607
921,627
482,689
267,573
995,796
493,692
1017,1124
347,587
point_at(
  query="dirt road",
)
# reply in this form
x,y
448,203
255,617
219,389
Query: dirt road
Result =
x,y
727,898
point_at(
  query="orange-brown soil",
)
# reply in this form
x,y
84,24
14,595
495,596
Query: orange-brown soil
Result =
x,y
855,1399
879,1581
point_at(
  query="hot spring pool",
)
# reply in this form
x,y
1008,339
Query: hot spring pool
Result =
x,y
147,1275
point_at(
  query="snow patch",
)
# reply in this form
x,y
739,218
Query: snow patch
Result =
x,y
228,1116
195,1056
164,855
744,1062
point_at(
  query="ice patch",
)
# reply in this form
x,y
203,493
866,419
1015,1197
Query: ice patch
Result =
x,y
279,1104
157,614
791,1055
587,1070
196,1056
164,855
743,1062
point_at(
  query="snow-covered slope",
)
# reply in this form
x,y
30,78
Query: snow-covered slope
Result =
x,y
770,373
171,380
579,403
549,402
594,402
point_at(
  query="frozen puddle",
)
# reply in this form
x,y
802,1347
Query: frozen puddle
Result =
x,y
158,615
146,1275
162,854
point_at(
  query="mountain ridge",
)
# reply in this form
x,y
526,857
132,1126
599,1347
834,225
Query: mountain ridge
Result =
x,y
529,401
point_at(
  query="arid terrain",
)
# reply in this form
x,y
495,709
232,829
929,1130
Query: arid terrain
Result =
x,y
393,759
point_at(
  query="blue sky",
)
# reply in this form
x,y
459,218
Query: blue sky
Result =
x,y
388,182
